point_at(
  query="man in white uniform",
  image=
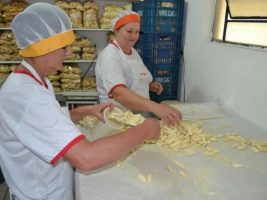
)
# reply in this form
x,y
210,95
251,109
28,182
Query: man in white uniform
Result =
x,y
39,143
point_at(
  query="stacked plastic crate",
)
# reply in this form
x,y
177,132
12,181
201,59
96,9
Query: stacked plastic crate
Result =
x,y
159,43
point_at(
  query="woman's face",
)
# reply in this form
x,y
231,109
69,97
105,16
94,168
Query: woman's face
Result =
x,y
128,34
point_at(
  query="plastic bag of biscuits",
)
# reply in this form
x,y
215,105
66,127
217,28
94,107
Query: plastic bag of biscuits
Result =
x,y
88,83
1,5
76,18
69,75
6,57
11,9
70,86
90,19
89,5
76,4
2,24
74,56
88,56
71,69
15,6
89,49
7,35
75,48
5,69
6,49
127,6
110,12
84,42
63,4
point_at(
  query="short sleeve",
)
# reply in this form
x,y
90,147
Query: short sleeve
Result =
x,y
110,69
46,130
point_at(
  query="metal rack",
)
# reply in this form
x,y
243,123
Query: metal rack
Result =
x,y
76,99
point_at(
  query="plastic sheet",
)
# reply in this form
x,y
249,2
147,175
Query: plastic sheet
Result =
x,y
207,177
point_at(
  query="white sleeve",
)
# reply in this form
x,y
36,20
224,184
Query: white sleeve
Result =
x,y
109,69
46,130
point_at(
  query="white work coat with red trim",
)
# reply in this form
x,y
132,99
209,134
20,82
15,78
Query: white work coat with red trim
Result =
x,y
115,68
34,135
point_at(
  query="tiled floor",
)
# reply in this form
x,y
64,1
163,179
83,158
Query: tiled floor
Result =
x,y
4,195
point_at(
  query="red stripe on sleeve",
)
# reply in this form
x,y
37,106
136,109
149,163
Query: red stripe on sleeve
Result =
x,y
66,148
113,88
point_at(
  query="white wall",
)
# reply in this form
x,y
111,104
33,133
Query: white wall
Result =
x,y
235,75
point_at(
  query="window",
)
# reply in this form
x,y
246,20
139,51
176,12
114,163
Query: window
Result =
x,y
241,22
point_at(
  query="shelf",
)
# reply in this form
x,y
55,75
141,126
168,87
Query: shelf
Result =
x,y
75,29
79,61
77,98
125,0
66,61
5,28
88,29
10,62
83,94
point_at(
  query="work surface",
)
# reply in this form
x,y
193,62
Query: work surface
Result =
x,y
176,175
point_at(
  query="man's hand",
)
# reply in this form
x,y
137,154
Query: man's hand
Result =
x,y
97,110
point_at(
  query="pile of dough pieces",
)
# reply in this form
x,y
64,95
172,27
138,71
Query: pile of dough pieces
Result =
x,y
190,136
88,122
187,137
127,118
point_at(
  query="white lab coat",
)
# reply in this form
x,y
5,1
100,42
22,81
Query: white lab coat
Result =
x,y
34,135
115,68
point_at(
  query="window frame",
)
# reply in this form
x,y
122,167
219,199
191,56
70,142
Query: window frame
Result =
x,y
228,18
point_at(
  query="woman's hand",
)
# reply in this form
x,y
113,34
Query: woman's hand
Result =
x,y
156,87
168,114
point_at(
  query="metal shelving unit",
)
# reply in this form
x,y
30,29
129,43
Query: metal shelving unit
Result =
x,y
98,36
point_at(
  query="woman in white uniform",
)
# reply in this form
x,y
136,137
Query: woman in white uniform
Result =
x,y
39,143
121,76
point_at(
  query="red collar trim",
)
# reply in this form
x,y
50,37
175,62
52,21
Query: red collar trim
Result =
x,y
130,53
26,72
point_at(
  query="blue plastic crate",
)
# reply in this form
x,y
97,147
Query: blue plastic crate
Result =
x,y
164,70
159,48
168,77
164,16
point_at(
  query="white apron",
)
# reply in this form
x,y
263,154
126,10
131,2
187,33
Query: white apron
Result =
x,y
138,76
